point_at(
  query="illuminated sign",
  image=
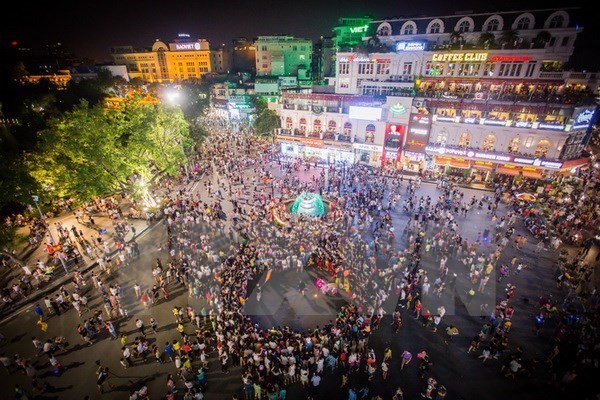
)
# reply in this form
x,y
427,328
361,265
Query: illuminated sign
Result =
x,y
419,131
420,119
443,118
187,46
495,122
312,142
471,120
488,156
398,109
554,127
368,147
410,46
366,113
510,58
359,29
457,57
523,124
583,119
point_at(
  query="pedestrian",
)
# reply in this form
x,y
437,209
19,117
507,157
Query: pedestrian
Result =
x,y
38,310
406,358
140,325
102,378
153,325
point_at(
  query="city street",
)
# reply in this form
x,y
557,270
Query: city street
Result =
x,y
463,374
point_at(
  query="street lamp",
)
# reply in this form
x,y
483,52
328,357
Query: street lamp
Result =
x,y
173,96
52,242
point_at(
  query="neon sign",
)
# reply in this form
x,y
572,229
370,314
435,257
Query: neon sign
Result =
x,y
359,29
457,57
410,46
187,46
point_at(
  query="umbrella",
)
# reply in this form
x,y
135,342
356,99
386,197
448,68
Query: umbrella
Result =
x,y
526,196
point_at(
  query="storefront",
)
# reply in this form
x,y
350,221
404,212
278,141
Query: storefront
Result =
x,y
484,165
369,154
311,149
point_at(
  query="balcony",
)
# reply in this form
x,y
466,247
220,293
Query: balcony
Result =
x,y
494,152
551,75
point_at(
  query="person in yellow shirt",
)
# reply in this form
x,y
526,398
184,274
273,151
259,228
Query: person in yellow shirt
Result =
x,y
181,329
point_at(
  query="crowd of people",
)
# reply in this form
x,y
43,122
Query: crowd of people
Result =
x,y
221,243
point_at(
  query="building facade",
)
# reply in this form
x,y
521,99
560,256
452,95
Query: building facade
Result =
x,y
283,56
343,128
179,60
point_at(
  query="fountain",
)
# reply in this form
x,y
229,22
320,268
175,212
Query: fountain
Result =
x,y
308,204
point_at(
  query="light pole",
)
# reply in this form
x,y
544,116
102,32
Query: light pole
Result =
x,y
52,242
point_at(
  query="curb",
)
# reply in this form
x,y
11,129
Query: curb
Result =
x,y
38,294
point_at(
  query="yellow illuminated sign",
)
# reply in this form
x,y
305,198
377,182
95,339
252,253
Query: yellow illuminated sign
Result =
x,y
457,57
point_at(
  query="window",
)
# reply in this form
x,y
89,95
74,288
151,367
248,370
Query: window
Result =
x,y
465,139
191,70
510,69
552,41
264,57
383,68
303,125
331,126
317,126
407,68
565,41
450,70
384,31
294,48
556,22
365,68
542,148
344,68
488,68
468,69
464,26
435,28
189,64
529,141
370,133
434,69
492,25
530,68
442,137
344,82
408,30
265,65
514,145
523,23
347,129
489,142
264,48
288,123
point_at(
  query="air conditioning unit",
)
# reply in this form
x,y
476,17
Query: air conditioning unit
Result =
x,y
419,103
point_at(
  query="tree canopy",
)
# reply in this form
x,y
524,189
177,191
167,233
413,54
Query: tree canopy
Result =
x,y
94,150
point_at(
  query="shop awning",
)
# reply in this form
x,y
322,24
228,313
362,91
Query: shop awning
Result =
x,y
534,173
508,171
460,163
483,165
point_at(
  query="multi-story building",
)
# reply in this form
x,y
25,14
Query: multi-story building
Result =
x,y
491,89
343,128
220,60
324,59
283,56
478,94
243,55
182,59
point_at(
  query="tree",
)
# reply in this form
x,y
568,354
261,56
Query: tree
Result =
x,y
94,150
486,40
509,38
266,122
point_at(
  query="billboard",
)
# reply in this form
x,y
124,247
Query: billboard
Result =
x,y
366,113
418,132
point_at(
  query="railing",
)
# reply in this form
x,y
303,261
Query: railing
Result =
x,y
551,75
514,153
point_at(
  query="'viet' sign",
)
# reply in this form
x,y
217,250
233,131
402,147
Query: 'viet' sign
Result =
x,y
457,57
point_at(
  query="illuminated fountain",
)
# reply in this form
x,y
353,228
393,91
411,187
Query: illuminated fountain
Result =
x,y
308,204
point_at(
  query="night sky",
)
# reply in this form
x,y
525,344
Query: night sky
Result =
x,y
90,29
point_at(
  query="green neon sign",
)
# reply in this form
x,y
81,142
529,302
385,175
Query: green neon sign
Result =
x,y
359,29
